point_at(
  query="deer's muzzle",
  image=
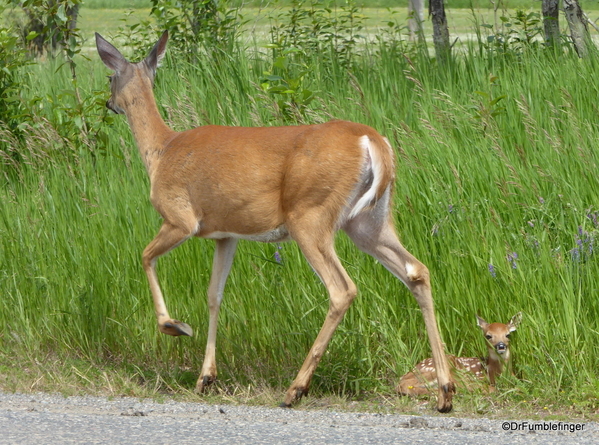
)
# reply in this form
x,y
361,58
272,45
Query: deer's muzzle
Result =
x,y
113,108
501,347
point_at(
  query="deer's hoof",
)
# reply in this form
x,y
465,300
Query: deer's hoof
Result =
x,y
293,396
444,404
204,382
445,407
176,328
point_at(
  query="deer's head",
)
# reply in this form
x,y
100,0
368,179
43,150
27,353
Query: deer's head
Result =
x,y
129,80
498,335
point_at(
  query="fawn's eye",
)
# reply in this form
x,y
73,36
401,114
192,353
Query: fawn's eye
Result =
x,y
508,335
488,337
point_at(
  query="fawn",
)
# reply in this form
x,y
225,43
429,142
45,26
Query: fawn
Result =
x,y
421,379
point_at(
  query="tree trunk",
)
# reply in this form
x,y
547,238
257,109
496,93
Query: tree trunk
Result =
x,y
578,27
416,19
73,15
440,30
551,21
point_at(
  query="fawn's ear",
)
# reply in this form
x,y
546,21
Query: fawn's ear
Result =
x,y
156,55
515,322
111,56
482,323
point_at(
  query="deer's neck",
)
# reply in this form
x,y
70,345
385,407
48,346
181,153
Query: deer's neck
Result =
x,y
149,129
495,364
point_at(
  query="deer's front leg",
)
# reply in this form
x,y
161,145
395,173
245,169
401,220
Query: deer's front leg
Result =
x,y
167,239
223,259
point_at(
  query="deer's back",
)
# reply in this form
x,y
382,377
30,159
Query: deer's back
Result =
x,y
250,180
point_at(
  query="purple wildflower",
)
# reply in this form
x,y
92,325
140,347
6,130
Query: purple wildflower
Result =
x,y
541,200
277,255
492,271
584,245
512,257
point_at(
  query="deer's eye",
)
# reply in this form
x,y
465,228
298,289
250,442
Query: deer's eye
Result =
x,y
508,335
488,337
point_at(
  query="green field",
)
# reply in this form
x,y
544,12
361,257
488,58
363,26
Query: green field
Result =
x,y
497,193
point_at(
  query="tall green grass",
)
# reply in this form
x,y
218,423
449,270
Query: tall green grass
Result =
x,y
499,198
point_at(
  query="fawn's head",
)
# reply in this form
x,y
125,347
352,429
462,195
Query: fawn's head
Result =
x,y
498,335
130,80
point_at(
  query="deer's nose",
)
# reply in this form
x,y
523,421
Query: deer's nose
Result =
x,y
501,347
113,108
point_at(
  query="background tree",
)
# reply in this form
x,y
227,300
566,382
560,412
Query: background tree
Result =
x,y
440,30
579,31
416,18
551,21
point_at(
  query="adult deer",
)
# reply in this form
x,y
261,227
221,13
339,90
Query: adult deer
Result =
x,y
497,336
268,184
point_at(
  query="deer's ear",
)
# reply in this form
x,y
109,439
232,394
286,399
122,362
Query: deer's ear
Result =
x,y
111,56
515,321
156,55
482,323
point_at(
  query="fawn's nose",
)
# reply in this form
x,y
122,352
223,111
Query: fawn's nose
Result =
x,y
501,347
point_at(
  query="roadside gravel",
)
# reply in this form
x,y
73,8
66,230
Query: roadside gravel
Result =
x,y
49,419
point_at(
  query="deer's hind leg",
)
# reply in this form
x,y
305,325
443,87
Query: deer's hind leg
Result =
x,y
317,245
374,233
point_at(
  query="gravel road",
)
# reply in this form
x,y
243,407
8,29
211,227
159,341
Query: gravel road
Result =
x,y
49,419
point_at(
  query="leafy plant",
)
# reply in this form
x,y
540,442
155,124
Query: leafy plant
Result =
x,y
197,23
518,32
60,122
489,105
319,29
51,24
13,57
286,82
